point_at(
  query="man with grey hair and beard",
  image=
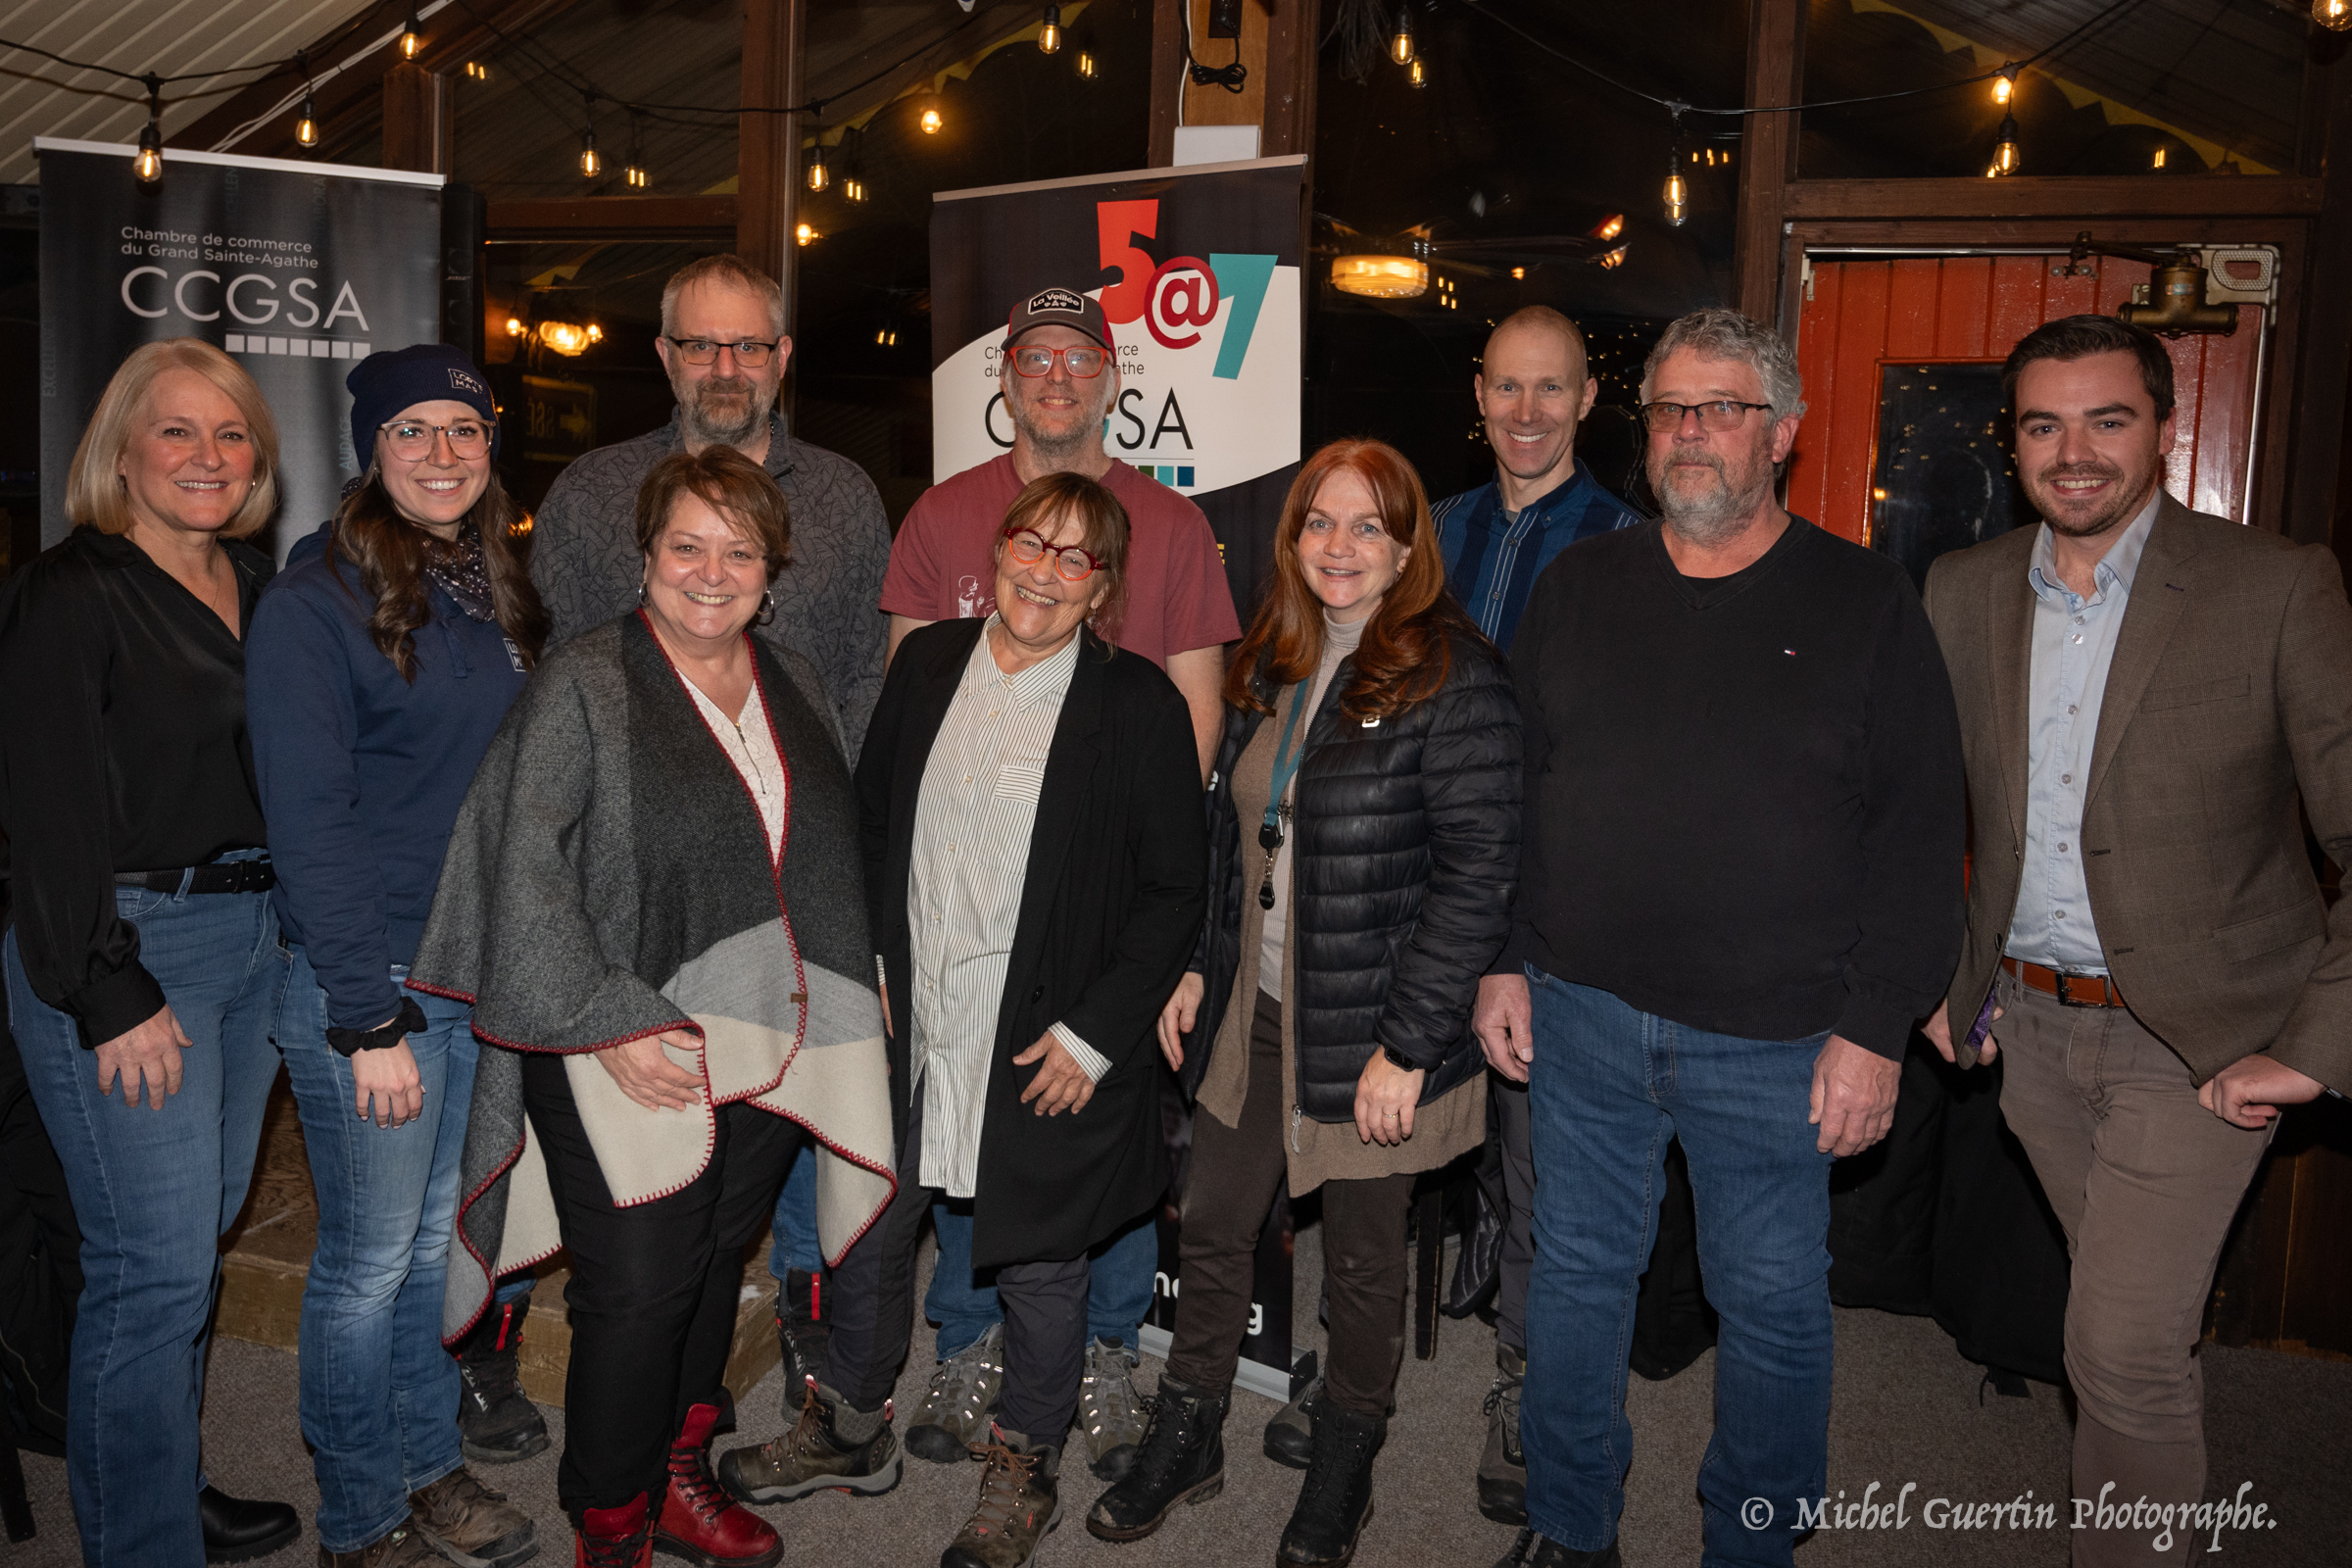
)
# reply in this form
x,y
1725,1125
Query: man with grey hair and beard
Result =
x,y
1740,888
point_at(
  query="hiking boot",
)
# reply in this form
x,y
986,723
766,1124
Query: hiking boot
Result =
x,y
833,1444
1180,1459
470,1525
1109,1410
1020,1500
497,1422
802,1333
699,1521
1532,1551
401,1547
1291,1434
1502,1468
615,1538
1336,1501
953,1416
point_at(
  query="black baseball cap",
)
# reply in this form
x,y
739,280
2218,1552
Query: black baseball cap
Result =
x,y
1059,307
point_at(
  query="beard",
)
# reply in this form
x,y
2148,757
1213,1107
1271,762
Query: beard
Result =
x,y
1713,511
1061,450
723,411
2121,504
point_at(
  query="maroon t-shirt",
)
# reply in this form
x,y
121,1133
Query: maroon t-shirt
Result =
x,y
942,562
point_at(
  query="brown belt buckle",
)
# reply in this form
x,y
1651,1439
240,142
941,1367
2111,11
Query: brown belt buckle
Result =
x,y
2065,990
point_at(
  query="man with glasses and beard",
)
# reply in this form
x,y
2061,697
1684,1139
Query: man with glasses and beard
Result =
x,y
2146,692
1739,887
723,345
1059,377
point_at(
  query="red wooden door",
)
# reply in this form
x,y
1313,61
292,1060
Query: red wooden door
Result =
x,y
1862,319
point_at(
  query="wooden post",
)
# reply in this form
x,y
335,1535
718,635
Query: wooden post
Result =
x,y
1776,53
420,120
2317,420
769,156
1278,96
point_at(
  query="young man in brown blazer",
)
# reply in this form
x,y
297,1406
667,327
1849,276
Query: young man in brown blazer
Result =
x,y
2146,693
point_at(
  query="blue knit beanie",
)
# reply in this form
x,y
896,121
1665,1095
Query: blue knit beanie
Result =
x,y
383,384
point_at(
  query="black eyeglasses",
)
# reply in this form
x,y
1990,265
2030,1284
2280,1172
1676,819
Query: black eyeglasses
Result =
x,y
1725,415
749,352
1070,563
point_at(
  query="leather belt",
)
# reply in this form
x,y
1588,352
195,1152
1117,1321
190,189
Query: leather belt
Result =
x,y
222,876
2071,990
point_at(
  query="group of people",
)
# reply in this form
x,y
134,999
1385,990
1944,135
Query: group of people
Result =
x,y
696,860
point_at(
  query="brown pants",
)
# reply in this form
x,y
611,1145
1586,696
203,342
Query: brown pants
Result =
x,y
1235,1174
2144,1181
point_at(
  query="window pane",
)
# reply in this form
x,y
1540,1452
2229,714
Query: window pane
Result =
x,y
2165,87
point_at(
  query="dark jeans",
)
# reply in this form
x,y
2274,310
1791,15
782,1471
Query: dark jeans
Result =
x,y
654,1288
873,1320
1609,1086
1235,1173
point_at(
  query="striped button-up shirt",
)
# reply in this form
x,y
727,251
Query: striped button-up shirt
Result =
x,y
1494,557
972,825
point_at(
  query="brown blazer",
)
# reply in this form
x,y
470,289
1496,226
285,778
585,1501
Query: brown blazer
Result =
x,y
2230,691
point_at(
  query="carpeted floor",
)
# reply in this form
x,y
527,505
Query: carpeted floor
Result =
x,y
1907,1410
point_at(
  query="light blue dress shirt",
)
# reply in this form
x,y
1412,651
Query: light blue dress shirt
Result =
x,y
2074,644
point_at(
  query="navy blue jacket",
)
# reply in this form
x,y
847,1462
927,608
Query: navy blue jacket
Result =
x,y
361,772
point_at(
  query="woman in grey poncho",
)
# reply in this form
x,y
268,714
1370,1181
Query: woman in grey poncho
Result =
x,y
653,899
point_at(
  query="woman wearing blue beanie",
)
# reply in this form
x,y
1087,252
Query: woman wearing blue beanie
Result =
x,y
385,656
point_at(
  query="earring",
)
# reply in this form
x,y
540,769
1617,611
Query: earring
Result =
x,y
641,593
767,609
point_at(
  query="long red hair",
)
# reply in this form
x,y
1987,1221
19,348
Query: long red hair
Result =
x,y
1403,657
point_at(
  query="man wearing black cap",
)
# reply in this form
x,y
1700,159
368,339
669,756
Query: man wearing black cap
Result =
x,y
1059,373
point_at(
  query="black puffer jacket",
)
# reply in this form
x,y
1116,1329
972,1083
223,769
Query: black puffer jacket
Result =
x,y
1404,850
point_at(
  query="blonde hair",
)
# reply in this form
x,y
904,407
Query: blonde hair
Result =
x,y
94,488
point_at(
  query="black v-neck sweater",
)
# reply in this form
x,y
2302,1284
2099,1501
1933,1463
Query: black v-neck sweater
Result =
x,y
1744,801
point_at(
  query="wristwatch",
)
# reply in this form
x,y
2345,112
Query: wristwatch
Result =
x,y
1399,1060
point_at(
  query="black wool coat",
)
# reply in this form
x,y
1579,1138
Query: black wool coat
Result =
x,y
1404,851
1110,909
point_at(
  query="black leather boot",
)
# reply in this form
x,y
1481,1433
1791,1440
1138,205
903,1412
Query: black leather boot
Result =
x,y
1336,1502
497,1422
235,1530
1182,1460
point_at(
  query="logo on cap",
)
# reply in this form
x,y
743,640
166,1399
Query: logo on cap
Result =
x,y
461,382
1056,299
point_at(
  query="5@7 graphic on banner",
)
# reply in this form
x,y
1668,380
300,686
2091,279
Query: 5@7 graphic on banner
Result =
x,y
295,271
1198,271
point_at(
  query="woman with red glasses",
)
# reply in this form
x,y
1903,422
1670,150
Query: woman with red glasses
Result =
x,y
1034,857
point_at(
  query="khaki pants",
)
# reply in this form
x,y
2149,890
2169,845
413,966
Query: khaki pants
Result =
x,y
2144,1181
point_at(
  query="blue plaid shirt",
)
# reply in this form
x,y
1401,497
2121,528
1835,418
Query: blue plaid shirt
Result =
x,y
1492,561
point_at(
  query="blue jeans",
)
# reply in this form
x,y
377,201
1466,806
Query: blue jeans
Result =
x,y
154,1191
1609,1088
795,1225
1118,1293
379,1394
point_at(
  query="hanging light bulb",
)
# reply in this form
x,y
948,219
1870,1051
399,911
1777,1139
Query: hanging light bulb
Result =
x,y
1677,193
148,163
2004,85
854,189
2004,147
819,176
411,38
591,164
1400,47
2333,15
802,234
1085,64
2159,164
1049,36
932,122
476,70
1417,74
635,176
306,129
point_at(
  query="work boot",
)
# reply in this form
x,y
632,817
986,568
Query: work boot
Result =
x,y
1336,1501
699,1521
1502,1468
615,1538
804,1333
497,1422
1532,1551
470,1525
1020,1500
236,1529
954,1415
1109,1410
1291,1434
1180,1459
401,1547
834,1444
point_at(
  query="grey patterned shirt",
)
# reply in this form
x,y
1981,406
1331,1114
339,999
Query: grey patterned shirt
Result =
x,y
585,563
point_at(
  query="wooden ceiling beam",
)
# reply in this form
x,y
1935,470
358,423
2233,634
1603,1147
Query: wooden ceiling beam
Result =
x,y
2093,198
597,217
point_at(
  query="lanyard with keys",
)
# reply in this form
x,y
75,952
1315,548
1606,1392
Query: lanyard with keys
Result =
x,y
1271,831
